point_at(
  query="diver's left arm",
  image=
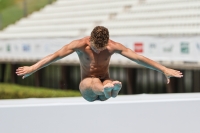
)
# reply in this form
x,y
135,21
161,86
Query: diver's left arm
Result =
x,y
146,62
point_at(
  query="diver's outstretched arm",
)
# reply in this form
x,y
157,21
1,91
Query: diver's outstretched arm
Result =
x,y
26,71
146,62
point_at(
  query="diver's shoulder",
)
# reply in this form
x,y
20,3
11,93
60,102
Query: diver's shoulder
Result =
x,y
82,41
112,43
85,39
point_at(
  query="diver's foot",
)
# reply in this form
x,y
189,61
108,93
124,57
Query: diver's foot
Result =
x,y
116,89
108,89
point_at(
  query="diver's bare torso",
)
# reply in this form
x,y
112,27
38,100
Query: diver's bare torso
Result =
x,y
93,64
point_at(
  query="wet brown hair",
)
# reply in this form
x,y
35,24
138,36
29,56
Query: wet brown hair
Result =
x,y
99,36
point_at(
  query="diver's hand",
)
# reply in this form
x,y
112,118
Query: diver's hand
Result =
x,y
24,71
172,73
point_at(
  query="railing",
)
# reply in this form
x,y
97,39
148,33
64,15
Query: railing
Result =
x,y
134,80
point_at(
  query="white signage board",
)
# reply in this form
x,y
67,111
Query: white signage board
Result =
x,y
185,49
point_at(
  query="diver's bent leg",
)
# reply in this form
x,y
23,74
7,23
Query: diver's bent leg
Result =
x,y
97,86
102,98
102,89
85,88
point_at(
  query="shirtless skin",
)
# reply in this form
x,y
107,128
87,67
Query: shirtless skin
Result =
x,y
96,83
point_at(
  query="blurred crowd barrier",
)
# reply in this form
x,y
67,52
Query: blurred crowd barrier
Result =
x,y
135,80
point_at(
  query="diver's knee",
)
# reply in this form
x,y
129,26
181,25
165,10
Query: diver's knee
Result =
x,y
89,99
89,95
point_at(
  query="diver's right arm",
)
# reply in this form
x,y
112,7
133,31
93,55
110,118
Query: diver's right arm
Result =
x,y
26,71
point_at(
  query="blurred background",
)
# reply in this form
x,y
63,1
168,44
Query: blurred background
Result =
x,y
166,31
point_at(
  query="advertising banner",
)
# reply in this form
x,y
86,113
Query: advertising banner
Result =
x,y
186,49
